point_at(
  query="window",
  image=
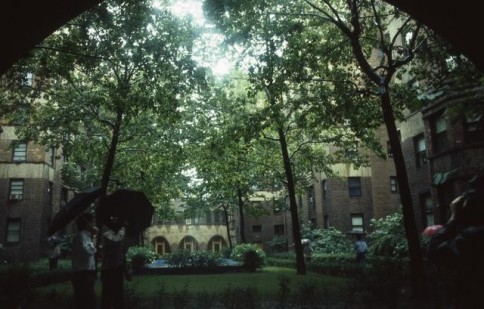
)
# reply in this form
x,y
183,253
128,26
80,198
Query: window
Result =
x,y
216,244
20,152
420,151
16,191
354,186
279,229
161,245
427,209
357,223
324,184
393,184
439,130
188,244
256,228
188,221
13,230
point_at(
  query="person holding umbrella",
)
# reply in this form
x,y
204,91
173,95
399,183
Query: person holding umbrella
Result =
x,y
84,263
113,264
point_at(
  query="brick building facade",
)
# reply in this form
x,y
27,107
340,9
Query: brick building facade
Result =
x,y
442,151
30,193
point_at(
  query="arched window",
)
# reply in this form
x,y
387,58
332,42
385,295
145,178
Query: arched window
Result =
x,y
216,244
161,246
189,243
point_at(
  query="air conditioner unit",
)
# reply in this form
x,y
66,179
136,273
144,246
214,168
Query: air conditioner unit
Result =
x,y
15,197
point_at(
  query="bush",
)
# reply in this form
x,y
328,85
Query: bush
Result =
x,y
198,258
344,265
328,240
388,236
138,256
179,258
278,243
250,255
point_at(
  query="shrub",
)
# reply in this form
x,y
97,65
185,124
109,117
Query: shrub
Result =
x,y
138,256
250,255
328,240
388,236
278,243
198,258
178,258
204,259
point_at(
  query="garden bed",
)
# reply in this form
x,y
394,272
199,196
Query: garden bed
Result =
x,y
190,270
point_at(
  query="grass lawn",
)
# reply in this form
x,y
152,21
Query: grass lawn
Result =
x,y
150,291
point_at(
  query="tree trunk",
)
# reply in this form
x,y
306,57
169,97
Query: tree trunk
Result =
x,y
112,152
415,254
227,224
108,168
241,215
296,229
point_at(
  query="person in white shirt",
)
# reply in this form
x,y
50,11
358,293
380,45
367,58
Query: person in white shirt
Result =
x,y
361,248
84,263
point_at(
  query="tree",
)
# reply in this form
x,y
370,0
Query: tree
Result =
x,y
116,75
225,158
349,32
365,24
290,92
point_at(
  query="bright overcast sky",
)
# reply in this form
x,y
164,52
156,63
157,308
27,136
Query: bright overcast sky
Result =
x,y
220,65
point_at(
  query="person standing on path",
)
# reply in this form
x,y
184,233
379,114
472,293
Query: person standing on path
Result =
x,y
361,248
84,263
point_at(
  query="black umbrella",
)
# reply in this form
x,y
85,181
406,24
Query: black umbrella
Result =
x,y
73,208
132,207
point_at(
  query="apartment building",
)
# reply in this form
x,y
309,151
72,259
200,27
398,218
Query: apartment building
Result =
x,y
455,142
30,193
206,231
442,149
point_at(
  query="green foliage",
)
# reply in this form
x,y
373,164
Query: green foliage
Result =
x,y
278,243
114,80
197,258
179,258
250,254
388,236
328,240
138,256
